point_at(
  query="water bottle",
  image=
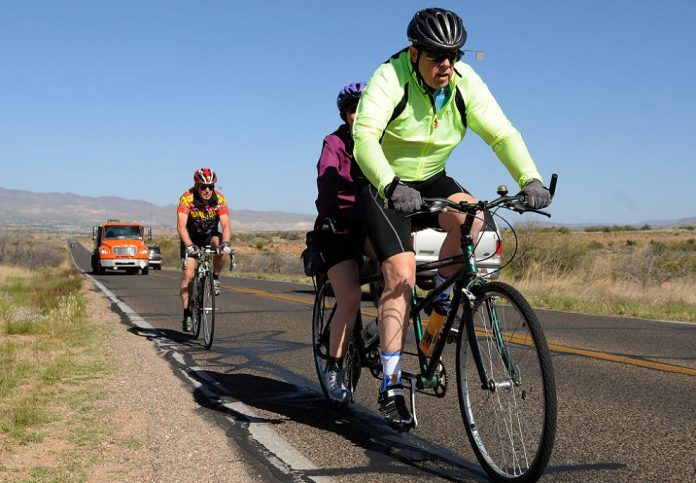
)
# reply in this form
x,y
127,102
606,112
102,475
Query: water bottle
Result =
x,y
432,330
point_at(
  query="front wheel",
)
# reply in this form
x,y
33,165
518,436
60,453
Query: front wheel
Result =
x,y
322,315
510,416
195,306
208,310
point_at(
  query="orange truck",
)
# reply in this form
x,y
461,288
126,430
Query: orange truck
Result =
x,y
120,245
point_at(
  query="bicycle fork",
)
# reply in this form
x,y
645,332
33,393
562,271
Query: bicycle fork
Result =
x,y
489,383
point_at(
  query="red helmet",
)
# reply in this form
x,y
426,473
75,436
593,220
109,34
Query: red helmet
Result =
x,y
204,176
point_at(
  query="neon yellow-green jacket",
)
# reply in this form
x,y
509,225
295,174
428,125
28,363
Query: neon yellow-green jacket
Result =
x,y
412,147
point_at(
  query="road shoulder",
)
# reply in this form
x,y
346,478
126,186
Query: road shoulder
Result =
x,y
171,438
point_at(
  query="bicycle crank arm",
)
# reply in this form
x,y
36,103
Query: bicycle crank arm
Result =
x,y
412,378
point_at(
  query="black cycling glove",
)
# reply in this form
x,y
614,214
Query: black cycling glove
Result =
x,y
538,197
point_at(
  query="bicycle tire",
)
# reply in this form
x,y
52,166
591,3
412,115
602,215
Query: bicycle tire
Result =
x,y
511,424
322,314
208,310
195,305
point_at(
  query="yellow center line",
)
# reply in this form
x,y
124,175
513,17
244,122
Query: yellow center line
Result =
x,y
554,347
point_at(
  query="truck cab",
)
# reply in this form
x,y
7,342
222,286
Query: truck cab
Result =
x,y
120,245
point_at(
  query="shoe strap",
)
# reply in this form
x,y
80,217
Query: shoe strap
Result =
x,y
395,390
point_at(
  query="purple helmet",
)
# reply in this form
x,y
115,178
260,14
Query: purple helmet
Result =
x,y
350,94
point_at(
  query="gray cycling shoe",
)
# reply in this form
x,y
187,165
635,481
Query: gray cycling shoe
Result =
x,y
338,392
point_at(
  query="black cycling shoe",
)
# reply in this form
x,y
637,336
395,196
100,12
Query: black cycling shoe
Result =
x,y
392,407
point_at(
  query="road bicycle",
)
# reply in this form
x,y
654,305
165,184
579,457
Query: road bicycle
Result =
x,y
505,380
202,294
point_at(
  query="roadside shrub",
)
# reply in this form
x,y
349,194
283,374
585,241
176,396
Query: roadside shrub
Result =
x,y
545,254
22,250
272,263
290,235
656,263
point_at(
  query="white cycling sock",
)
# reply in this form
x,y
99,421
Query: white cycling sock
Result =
x,y
391,367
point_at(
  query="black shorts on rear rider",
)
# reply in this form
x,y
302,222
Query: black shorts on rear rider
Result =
x,y
337,247
388,231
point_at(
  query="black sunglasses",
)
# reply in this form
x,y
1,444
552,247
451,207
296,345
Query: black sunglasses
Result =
x,y
203,187
438,57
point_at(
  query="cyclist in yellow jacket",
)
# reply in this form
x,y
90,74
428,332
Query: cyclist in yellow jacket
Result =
x,y
414,111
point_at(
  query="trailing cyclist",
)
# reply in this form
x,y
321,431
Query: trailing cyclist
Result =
x,y
340,235
201,209
414,111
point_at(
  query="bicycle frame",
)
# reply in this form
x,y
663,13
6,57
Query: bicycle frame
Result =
x,y
465,276
462,279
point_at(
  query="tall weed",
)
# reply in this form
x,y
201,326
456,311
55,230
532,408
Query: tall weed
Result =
x,y
42,320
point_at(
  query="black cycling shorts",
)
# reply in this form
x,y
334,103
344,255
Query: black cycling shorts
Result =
x,y
336,248
387,230
199,241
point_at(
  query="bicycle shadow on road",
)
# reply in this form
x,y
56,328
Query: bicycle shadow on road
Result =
x,y
388,452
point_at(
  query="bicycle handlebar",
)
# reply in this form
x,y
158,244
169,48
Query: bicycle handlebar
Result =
x,y
201,252
511,202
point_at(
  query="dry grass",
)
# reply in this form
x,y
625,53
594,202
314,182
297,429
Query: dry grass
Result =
x,y
647,273
640,273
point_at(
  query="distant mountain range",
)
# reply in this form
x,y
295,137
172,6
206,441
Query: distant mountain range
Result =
x,y
70,212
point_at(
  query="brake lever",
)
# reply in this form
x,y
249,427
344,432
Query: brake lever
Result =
x,y
416,213
545,213
433,208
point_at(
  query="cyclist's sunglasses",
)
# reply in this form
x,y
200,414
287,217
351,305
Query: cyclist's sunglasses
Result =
x,y
438,57
204,187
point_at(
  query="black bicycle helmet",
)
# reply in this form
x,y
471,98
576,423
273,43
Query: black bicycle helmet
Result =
x,y
436,29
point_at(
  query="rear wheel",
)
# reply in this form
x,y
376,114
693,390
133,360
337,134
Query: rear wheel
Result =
x,y
511,418
208,310
322,315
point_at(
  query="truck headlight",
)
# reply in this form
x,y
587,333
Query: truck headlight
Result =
x,y
104,251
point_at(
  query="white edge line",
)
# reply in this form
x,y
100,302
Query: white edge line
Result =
x,y
286,455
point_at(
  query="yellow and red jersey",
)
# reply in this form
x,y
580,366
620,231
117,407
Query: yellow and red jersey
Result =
x,y
203,217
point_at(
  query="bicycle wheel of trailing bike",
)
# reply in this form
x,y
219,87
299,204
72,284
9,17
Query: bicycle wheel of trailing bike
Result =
x,y
510,418
208,310
195,306
322,315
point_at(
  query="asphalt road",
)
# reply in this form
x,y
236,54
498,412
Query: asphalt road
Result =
x,y
626,391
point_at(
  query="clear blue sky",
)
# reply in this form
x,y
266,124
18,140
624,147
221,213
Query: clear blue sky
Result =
x,y
128,97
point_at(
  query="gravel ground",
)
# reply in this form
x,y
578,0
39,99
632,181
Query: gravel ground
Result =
x,y
172,439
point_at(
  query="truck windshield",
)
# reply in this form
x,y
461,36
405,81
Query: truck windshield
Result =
x,y
122,233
